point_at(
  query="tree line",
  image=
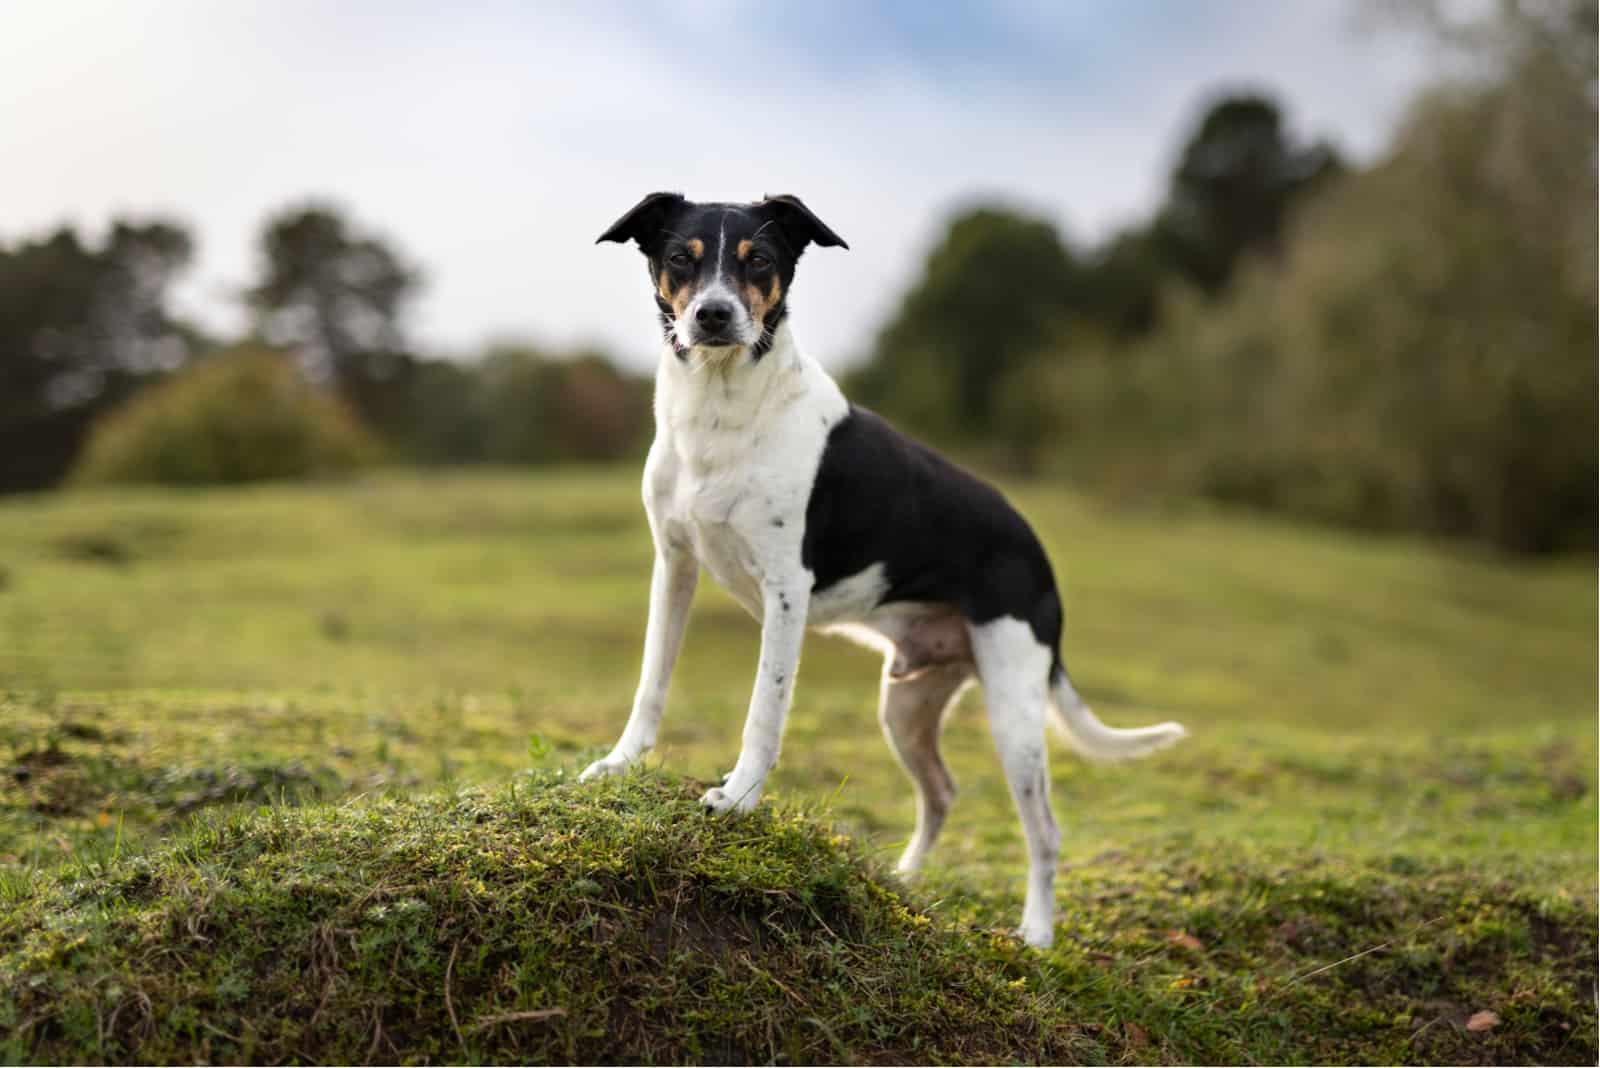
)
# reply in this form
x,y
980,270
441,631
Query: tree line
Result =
x,y
1404,345
84,325
1409,345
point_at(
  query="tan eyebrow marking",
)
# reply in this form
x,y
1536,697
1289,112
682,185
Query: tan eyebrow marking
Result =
x,y
697,247
744,248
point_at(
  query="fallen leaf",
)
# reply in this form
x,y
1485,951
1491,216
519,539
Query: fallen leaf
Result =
x,y
1136,1034
1186,940
1482,1020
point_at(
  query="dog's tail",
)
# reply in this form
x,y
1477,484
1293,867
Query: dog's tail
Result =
x,y
1093,739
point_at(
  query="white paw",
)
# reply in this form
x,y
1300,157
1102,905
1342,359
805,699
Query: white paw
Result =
x,y
1038,935
722,799
611,764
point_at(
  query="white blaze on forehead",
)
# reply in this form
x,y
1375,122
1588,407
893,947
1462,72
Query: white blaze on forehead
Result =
x,y
718,289
722,243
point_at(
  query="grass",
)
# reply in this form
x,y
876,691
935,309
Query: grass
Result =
x,y
247,711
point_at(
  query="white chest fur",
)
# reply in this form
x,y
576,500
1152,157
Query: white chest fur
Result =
x,y
736,451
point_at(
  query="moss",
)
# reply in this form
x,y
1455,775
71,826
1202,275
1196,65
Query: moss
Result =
x,y
618,922
542,923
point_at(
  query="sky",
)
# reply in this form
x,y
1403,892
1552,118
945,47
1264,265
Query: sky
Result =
x,y
492,142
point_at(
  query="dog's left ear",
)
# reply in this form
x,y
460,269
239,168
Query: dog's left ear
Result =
x,y
643,221
800,227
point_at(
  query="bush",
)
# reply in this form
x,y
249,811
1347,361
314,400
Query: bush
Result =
x,y
518,404
246,415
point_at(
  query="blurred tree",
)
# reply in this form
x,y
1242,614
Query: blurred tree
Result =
x,y
447,417
1002,293
1123,280
80,327
992,292
1232,188
338,296
1424,355
1231,194
604,414
540,409
517,404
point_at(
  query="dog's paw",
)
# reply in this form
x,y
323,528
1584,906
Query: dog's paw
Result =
x,y
720,799
1039,935
605,766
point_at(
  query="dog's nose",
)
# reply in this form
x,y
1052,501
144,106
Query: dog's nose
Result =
x,y
714,316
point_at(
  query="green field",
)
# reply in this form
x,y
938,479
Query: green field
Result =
x,y
1394,745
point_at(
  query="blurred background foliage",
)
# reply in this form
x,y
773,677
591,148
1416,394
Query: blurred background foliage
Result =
x,y
246,415
1408,345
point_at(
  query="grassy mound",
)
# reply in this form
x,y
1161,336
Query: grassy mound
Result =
x,y
619,923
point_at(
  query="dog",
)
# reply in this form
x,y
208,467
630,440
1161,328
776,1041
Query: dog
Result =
x,y
815,513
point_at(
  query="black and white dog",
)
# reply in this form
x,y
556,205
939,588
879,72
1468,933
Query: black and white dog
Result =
x,y
815,513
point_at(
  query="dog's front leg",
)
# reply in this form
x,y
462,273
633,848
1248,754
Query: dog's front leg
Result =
x,y
672,583
783,629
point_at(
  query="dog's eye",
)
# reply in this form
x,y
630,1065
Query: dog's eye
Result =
x,y
758,262
679,259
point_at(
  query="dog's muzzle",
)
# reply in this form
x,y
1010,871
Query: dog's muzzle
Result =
x,y
713,324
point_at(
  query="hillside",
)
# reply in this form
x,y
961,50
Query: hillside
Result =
x,y
281,767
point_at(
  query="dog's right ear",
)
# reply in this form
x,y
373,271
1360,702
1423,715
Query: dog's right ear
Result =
x,y
643,221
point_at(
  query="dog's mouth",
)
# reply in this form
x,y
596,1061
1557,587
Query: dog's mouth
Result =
x,y
698,337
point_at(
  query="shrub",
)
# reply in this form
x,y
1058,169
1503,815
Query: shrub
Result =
x,y
246,415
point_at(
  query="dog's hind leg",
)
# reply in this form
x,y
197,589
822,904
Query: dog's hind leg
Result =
x,y
1014,668
911,710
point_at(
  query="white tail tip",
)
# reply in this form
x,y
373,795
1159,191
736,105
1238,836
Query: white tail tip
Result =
x,y
1096,741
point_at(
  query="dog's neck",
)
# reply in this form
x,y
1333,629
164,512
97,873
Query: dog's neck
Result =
x,y
698,390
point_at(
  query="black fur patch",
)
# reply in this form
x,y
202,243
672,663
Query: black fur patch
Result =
x,y
769,329
941,534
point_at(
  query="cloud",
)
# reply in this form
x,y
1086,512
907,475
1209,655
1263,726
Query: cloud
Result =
x,y
494,142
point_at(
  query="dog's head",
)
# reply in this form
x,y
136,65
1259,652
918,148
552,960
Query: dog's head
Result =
x,y
721,272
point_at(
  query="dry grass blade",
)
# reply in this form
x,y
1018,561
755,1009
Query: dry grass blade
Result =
x,y
1357,956
517,1017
